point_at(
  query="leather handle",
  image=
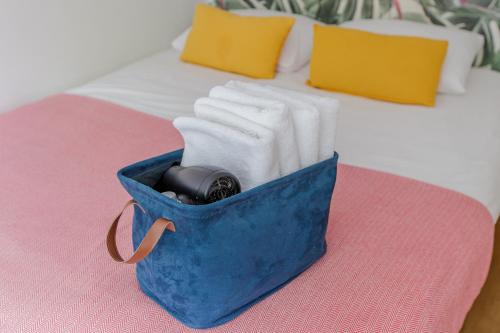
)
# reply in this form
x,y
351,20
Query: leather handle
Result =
x,y
148,243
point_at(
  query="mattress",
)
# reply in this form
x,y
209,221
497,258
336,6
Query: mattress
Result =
x,y
455,144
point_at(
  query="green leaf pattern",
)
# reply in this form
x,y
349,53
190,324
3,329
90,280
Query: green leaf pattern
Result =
x,y
481,16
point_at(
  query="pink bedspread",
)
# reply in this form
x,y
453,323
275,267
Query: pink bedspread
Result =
x,y
403,256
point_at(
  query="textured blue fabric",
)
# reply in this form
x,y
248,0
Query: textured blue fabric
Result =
x,y
226,256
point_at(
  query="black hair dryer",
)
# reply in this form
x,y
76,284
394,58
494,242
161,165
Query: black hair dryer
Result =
x,y
199,184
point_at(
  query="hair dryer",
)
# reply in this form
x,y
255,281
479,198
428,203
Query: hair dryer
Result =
x,y
201,184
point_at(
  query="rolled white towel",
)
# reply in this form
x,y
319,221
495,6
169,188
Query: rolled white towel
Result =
x,y
271,114
328,108
248,156
305,116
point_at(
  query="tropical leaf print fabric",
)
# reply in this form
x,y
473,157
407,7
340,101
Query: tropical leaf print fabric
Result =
x,y
482,16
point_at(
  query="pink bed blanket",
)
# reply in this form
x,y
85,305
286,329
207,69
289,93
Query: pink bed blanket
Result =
x,y
403,256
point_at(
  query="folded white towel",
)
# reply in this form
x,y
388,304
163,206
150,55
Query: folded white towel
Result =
x,y
328,108
221,116
271,114
228,106
247,154
305,116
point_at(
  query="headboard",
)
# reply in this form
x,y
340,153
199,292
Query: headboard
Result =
x,y
482,16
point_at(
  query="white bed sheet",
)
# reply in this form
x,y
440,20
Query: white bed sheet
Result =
x,y
455,145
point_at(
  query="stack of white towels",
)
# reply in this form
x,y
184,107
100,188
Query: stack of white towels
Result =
x,y
258,132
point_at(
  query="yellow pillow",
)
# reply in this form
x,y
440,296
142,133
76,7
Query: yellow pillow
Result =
x,y
398,69
241,44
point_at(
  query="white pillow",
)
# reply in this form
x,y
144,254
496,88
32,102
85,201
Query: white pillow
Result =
x,y
463,46
296,52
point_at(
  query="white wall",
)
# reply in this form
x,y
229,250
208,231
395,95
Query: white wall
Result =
x,y
48,46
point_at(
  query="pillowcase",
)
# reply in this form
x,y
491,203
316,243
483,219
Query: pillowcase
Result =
x,y
241,44
298,46
398,69
463,46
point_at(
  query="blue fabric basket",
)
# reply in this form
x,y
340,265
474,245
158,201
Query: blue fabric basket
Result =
x,y
226,256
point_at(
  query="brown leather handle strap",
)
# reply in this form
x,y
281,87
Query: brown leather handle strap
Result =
x,y
148,242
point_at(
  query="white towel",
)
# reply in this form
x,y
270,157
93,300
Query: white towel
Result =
x,y
248,156
328,108
221,116
305,116
228,106
271,114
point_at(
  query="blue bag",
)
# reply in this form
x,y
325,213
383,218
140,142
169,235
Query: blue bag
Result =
x,y
215,261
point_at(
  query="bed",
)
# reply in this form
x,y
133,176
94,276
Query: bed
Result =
x,y
411,224
460,149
